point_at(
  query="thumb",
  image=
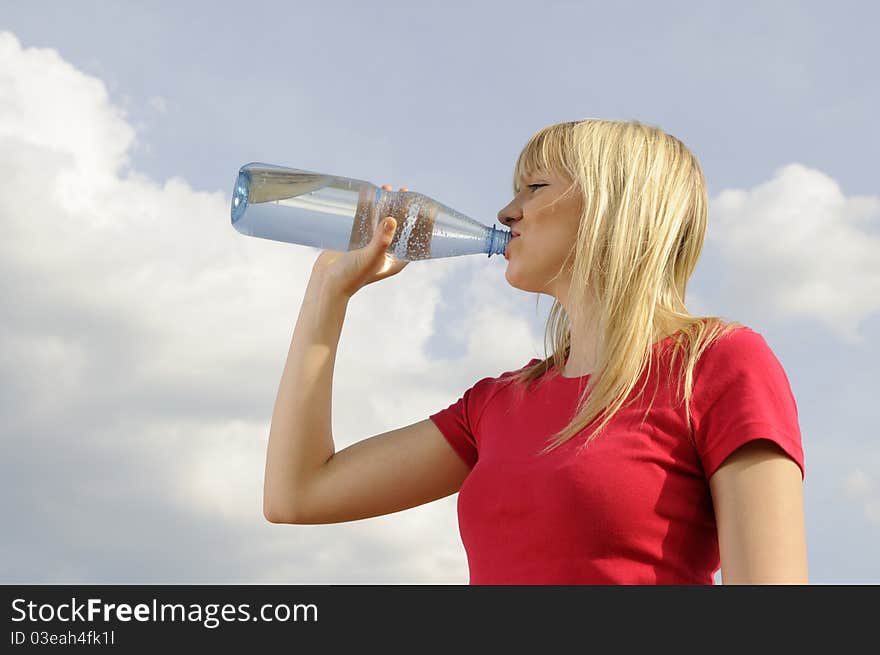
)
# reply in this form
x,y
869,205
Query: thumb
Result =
x,y
385,232
374,252
387,263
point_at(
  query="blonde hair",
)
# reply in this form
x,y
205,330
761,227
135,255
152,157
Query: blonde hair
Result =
x,y
640,235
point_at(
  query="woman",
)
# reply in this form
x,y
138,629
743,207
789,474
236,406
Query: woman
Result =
x,y
588,466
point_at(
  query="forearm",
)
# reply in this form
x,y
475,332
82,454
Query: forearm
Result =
x,y
300,436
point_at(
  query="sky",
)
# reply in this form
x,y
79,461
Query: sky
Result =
x,y
144,338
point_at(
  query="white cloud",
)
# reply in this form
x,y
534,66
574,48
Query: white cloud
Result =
x,y
49,105
859,486
159,103
800,241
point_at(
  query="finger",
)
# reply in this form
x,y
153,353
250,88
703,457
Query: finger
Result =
x,y
403,188
385,262
387,187
385,232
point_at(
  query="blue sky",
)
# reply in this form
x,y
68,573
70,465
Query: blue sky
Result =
x,y
146,337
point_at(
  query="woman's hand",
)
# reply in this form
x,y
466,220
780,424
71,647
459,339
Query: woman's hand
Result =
x,y
347,272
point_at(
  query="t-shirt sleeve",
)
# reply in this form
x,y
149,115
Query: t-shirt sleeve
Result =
x,y
741,393
459,421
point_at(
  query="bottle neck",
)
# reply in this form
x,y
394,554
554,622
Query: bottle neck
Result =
x,y
496,241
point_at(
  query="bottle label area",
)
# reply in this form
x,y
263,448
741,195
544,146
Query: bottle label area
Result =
x,y
415,215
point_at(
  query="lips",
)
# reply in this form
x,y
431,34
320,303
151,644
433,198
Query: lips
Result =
x,y
513,235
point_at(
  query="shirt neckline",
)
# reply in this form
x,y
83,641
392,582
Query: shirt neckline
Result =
x,y
559,374
574,377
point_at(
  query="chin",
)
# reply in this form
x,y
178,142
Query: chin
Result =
x,y
517,282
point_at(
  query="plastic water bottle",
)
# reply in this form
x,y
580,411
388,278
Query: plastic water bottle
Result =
x,y
341,213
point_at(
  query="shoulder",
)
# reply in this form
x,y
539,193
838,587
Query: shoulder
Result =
x,y
475,399
489,386
743,347
738,339
739,358
507,377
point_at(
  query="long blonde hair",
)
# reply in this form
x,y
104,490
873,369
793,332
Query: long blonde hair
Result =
x,y
645,211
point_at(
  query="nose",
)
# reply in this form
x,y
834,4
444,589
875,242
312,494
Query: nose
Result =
x,y
509,215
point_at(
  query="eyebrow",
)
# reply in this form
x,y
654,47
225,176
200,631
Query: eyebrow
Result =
x,y
533,176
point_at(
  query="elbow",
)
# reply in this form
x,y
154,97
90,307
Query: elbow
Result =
x,y
283,503
274,514
278,519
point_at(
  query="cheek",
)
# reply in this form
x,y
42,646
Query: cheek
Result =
x,y
543,251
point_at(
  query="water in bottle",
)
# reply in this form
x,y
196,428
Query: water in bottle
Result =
x,y
341,213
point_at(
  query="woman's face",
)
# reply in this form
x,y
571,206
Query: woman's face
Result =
x,y
545,215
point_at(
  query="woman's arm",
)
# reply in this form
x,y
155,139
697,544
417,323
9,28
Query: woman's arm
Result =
x,y
758,498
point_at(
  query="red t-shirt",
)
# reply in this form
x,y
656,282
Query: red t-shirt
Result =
x,y
634,507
